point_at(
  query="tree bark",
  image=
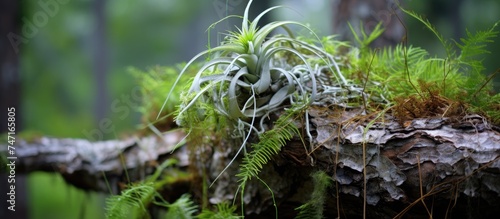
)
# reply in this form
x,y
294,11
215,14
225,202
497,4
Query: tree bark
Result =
x,y
92,165
451,165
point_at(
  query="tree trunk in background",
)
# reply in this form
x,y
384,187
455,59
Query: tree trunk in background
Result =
x,y
215,11
10,86
370,13
100,61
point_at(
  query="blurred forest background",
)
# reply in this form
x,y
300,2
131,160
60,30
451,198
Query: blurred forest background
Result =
x,y
71,61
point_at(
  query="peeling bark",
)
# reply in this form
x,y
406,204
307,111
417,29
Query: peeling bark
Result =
x,y
448,159
84,163
453,166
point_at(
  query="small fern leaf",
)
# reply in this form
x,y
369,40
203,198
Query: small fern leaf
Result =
x,y
308,211
474,44
270,144
132,201
366,39
447,45
224,211
314,207
182,208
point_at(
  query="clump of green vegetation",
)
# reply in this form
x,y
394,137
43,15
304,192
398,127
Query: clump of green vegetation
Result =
x,y
134,201
223,210
154,84
420,85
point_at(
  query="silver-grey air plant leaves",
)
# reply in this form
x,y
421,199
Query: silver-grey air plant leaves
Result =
x,y
247,77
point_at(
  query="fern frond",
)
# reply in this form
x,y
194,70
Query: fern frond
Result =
x,y
269,145
182,208
447,45
393,59
475,44
365,39
224,211
314,207
389,66
132,201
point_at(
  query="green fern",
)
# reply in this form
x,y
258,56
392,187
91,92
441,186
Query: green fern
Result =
x,y
388,67
269,145
182,208
224,211
467,62
366,39
457,78
474,45
132,201
446,44
463,79
313,209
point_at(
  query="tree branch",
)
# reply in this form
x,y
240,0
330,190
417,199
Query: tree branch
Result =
x,y
433,160
86,164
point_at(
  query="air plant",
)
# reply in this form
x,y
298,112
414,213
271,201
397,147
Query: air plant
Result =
x,y
246,80
249,76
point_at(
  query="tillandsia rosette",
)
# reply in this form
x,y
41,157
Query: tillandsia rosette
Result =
x,y
252,74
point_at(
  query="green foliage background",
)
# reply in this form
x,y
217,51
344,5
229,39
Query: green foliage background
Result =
x,y
57,65
58,90
57,81
476,16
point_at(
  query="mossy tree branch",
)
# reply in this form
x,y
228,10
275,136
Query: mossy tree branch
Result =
x,y
423,159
